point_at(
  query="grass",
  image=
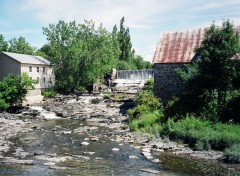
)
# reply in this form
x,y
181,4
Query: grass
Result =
x,y
202,134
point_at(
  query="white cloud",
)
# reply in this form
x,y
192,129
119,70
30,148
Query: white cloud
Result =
x,y
142,16
138,13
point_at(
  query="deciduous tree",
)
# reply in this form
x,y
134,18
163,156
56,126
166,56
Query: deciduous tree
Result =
x,y
21,46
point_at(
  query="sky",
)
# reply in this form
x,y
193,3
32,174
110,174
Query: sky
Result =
x,y
146,19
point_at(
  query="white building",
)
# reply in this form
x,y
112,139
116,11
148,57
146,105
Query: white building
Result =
x,y
36,67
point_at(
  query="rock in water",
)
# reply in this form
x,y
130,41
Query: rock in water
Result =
x,y
85,143
115,149
150,171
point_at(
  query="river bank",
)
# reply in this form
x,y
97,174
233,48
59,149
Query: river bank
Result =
x,y
90,114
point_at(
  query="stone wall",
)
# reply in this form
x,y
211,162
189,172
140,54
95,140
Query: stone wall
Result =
x,y
167,82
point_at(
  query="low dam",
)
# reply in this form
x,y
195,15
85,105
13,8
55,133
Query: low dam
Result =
x,y
131,81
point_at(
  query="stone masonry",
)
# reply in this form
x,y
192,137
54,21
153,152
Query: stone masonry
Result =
x,y
167,82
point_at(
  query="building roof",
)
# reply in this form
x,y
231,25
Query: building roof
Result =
x,y
27,59
178,47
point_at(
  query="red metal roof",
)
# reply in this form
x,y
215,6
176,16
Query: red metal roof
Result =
x,y
178,47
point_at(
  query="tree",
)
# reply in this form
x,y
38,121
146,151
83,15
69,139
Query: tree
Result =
x,y
14,89
3,44
80,53
20,46
210,80
125,43
140,63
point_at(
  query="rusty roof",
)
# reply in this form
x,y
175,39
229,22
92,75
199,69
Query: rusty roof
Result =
x,y
178,47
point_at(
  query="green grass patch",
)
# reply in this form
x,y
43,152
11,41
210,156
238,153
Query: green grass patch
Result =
x,y
203,134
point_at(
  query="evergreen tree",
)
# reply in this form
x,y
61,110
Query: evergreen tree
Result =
x,y
125,43
3,44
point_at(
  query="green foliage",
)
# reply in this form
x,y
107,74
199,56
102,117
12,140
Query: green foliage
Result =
x,y
232,110
3,44
126,59
123,65
149,85
125,43
80,53
148,113
202,134
20,46
210,80
232,154
146,103
140,63
14,89
148,123
49,93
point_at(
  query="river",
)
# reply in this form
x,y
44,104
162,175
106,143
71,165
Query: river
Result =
x,y
60,146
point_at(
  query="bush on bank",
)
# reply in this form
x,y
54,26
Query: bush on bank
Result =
x,y
232,154
201,134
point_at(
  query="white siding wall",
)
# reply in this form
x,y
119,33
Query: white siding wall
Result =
x,y
46,79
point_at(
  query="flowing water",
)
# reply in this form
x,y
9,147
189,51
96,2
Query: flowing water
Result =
x,y
55,140
135,74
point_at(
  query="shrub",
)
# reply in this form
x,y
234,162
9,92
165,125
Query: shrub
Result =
x,y
232,154
49,93
13,89
146,103
146,123
232,110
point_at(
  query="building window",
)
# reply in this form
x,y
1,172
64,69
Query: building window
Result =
x,y
37,80
30,68
44,79
50,80
44,70
37,69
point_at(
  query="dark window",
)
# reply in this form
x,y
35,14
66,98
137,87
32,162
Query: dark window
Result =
x,y
30,68
37,69
43,69
44,79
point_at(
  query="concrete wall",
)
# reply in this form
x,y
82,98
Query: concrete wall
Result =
x,y
167,83
8,66
46,78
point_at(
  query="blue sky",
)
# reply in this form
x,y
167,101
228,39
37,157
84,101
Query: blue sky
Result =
x,y
147,19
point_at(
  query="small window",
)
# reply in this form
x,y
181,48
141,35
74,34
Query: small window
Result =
x,y
30,68
50,80
44,70
37,80
37,69
44,79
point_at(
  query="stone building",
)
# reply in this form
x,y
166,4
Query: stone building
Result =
x,y
175,50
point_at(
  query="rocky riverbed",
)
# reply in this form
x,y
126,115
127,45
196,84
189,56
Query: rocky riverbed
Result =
x,y
91,114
